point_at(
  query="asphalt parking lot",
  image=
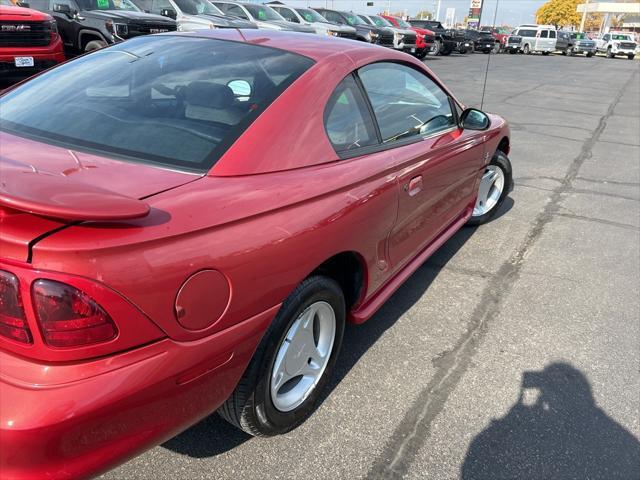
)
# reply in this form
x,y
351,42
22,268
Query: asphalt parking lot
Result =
x,y
514,351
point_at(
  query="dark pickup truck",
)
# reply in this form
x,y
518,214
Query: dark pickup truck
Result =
x,y
447,41
87,25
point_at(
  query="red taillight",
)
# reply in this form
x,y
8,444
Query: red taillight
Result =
x,y
69,317
13,323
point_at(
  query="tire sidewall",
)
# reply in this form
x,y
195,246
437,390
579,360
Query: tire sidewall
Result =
x,y
502,161
316,289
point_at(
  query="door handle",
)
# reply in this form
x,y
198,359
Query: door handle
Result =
x,y
415,186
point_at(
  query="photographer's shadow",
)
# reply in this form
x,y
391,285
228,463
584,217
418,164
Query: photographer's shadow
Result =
x,y
554,431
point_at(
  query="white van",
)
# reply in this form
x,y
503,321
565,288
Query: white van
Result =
x,y
537,38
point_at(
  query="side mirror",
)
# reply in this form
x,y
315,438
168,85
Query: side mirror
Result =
x,y
169,12
63,8
473,119
22,4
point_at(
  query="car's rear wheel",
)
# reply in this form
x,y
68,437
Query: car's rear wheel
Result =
x,y
437,46
631,56
589,55
421,53
293,362
495,184
610,53
526,50
94,45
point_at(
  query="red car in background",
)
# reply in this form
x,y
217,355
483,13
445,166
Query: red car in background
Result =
x,y
425,38
29,42
184,229
499,33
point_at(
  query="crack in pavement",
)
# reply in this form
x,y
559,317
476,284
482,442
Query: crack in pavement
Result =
x,y
413,430
612,182
602,221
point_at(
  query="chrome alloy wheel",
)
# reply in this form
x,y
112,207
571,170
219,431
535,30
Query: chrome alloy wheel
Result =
x,y
303,356
490,190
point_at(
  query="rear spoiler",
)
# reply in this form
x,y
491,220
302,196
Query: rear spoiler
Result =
x,y
61,197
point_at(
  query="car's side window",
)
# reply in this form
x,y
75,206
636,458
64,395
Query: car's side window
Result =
x,y
405,101
236,11
334,17
71,3
347,118
158,5
606,37
552,34
544,34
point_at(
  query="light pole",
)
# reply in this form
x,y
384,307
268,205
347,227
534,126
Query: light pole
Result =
x,y
584,16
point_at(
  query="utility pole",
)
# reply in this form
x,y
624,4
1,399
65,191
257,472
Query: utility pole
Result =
x,y
438,11
584,16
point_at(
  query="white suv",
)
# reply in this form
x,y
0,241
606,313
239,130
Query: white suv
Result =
x,y
617,43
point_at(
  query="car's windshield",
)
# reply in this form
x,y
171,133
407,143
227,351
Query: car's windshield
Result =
x,y
311,15
402,23
168,100
354,19
108,5
262,12
197,7
381,22
620,37
579,36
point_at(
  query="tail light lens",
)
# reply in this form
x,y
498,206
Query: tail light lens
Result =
x,y
69,317
13,323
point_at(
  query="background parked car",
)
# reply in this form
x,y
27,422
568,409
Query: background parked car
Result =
x,y
513,44
617,43
447,41
29,42
499,33
263,16
87,25
537,38
571,43
192,14
481,41
308,16
425,39
364,31
403,38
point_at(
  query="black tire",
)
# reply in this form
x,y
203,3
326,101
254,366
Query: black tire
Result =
x,y
610,53
250,407
445,51
437,46
421,53
526,49
545,53
589,55
501,160
94,45
631,56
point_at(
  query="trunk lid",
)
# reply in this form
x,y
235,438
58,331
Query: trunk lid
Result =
x,y
43,188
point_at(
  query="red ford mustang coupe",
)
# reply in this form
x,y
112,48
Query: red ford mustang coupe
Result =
x,y
188,221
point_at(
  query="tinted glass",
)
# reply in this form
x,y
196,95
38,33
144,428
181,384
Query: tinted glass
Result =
x,y
381,22
196,7
544,34
353,19
164,100
311,15
365,19
236,11
402,23
405,102
262,12
347,119
552,34
287,14
527,33
107,5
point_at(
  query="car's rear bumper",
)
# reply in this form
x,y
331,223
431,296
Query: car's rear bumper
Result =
x,y
76,419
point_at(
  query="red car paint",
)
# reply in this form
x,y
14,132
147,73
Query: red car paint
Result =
x,y
266,215
44,56
424,38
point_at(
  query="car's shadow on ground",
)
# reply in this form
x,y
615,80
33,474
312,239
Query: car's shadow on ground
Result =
x,y
555,430
214,436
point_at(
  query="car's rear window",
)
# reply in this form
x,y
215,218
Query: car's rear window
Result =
x,y
169,100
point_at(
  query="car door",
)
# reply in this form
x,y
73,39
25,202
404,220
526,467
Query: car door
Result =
x,y
439,165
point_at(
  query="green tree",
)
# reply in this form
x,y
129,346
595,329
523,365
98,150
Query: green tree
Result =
x,y
561,13
424,15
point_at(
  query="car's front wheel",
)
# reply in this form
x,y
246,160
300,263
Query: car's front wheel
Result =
x,y
631,56
293,362
495,184
94,45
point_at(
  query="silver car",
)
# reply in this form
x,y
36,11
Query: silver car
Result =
x,y
403,39
263,16
192,14
322,26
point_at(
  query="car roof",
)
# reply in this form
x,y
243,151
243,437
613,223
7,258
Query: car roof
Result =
x,y
316,47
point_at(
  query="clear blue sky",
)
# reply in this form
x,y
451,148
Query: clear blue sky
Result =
x,y
511,12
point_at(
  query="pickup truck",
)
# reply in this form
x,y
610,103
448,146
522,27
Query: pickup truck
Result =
x,y
617,43
87,25
29,42
447,41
